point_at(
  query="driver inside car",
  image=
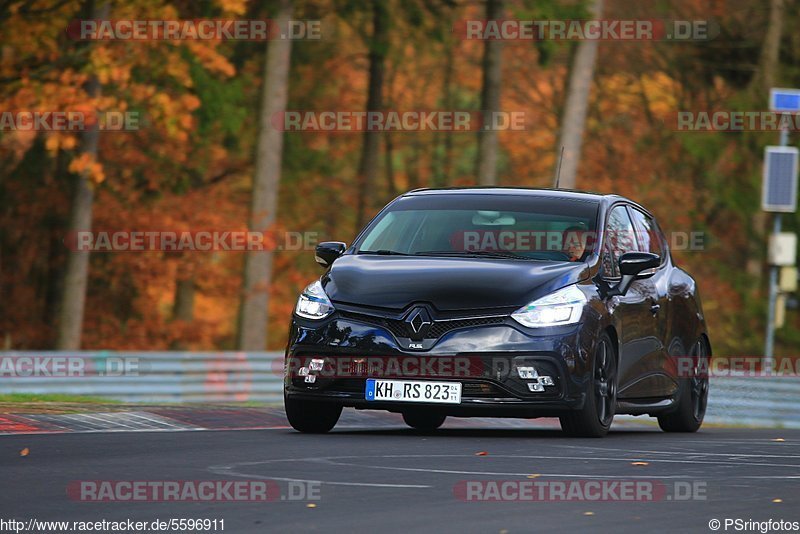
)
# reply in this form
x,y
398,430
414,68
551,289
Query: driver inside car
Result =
x,y
574,242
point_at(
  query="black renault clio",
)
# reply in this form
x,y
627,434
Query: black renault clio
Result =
x,y
500,302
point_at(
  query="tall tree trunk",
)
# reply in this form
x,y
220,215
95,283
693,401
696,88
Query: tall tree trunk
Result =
x,y
486,164
183,307
574,120
443,141
768,61
764,79
368,165
76,276
254,307
391,182
413,164
449,103
388,140
185,286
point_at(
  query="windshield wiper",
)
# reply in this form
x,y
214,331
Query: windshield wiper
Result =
x,y
473,253
383,252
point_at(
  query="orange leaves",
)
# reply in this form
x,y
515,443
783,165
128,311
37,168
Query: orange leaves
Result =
x,y
85,165
174,114
56,141
212,60
190,101
189,164
233,7
101,62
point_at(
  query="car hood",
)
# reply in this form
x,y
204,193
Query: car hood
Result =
x,y
446,283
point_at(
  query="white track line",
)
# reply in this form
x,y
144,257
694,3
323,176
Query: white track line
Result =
x,y
235,469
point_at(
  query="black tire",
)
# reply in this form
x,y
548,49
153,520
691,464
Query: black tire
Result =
x,y
311,417
693,396
424,421
595,418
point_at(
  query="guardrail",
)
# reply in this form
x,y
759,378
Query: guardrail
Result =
x,y
158,377
755,401
153,377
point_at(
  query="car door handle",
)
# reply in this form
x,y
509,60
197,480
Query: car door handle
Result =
x,y
654,308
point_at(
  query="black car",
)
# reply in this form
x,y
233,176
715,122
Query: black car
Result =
x,y
501,302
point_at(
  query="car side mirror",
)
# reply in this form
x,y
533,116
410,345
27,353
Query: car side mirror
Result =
x,y
327,252
632,265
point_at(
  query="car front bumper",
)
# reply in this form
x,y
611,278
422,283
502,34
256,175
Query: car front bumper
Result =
x,y
484,359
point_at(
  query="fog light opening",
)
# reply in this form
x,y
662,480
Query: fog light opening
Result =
x,y
527,373
537,383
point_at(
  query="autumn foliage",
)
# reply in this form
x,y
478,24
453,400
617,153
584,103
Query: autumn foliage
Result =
x,y
189,165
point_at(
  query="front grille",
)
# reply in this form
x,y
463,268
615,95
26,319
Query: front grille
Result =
x,y
438,329
481,389
395,326
400,328
349,385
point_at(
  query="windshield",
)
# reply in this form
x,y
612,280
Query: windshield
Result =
x,y
513,226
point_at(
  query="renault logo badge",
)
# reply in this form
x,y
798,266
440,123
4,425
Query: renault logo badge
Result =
x,y
419,322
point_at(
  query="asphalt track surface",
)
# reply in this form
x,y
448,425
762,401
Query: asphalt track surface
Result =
x,y
378,476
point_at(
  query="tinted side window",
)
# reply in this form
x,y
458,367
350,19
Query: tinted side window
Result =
x,y
619,239
663,239
646,233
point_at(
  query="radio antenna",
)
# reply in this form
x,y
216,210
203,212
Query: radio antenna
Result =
x,y
558,171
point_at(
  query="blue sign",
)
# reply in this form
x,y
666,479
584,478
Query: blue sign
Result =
x,y
786,100
779,190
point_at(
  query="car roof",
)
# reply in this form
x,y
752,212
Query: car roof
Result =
x,y
566,194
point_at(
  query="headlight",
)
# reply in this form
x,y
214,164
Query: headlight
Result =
x,y
313,302
558,308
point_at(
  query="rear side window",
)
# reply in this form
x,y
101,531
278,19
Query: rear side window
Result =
x,y
647,234
619,239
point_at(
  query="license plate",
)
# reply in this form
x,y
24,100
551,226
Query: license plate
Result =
x,y
413,391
